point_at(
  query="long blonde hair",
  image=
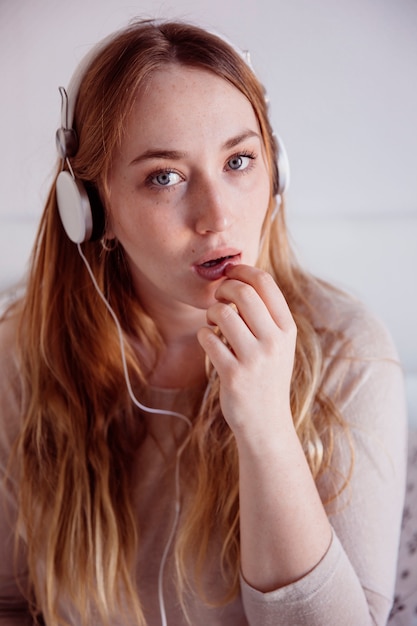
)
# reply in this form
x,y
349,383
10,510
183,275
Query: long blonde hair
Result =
x,y
79,430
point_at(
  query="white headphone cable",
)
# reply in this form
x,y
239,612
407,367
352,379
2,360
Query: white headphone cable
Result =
x,y
122,350
148,409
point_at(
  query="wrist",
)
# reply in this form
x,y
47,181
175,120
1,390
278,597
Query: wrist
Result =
x,y
278,441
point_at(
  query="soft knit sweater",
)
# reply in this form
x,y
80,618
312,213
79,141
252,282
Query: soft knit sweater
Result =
x,y
351,586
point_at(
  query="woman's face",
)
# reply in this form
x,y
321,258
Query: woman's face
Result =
x,y
189,187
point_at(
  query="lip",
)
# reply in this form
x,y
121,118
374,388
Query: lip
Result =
x,y
208,270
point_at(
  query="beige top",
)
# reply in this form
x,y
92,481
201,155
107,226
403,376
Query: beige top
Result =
x,y
354,582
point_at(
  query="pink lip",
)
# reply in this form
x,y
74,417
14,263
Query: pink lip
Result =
x,y
212,265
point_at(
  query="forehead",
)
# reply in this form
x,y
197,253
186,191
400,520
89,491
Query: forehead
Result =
x,y
179,100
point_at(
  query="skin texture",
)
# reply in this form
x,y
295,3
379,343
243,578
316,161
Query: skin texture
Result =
x,y
190,184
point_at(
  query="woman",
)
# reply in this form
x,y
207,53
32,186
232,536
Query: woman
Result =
x,y
194,429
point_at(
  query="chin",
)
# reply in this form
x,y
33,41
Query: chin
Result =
x,y
206,299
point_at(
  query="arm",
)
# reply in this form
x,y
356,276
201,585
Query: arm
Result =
x,y
292,529
285,530
355,580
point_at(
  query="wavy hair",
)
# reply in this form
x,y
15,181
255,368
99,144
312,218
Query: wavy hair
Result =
x,y
80,431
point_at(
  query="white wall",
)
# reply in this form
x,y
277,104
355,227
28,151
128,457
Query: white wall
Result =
x,y
341,77
342,81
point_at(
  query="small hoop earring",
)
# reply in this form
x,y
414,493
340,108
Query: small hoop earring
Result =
x,y
109,245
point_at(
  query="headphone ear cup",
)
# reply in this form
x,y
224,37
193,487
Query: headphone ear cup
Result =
x,y
80,209
74,207
283,166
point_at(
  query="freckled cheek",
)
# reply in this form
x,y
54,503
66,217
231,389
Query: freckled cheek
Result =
x,y
123,214
258,206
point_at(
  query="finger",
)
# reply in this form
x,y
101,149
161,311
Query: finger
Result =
x,y
267,290
249,305
234,331
217,352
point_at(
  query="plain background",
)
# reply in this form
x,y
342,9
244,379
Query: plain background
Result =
x,y
341,75
342,80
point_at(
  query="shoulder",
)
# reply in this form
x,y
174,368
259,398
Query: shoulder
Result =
x,y
8,346
361,371
10,385
352,330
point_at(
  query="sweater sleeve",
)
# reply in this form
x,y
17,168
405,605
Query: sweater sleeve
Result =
x,y
14,610
354,582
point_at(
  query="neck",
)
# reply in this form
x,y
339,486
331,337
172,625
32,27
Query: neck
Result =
x,y
181,361
179,366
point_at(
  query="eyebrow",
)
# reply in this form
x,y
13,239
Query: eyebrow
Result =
x,y
235,141
158,154
176,154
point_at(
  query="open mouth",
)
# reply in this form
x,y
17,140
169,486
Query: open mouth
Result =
x,y
213,269
218,261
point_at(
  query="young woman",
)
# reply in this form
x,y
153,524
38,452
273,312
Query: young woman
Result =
x,y
194,430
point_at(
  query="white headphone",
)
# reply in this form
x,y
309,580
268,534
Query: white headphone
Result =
x,y
79,205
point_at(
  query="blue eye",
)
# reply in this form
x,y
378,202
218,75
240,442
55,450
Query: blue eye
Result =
x,y
240,162
165,178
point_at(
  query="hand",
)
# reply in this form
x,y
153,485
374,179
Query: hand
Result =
x,y
255,367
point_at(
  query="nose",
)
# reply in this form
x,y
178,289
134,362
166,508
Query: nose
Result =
x,y
212,209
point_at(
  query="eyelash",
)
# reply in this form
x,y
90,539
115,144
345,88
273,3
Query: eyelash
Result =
x,y
245,153
154,187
